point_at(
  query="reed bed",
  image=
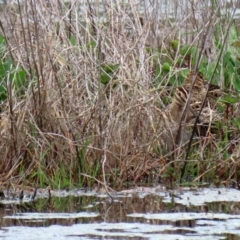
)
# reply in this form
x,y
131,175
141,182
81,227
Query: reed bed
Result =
x,y
83,85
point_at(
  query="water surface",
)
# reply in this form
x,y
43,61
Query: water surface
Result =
x,y
140,213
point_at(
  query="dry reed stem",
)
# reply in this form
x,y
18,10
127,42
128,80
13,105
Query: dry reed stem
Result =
x,y
65,109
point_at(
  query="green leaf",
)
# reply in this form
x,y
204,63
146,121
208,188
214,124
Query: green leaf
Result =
x,y
5,68
3,93
166,67
229,99
107,72
20,79
236,83
185,50
73,40
2,40
2,45
91,45
229,71
105,78
174,44
110,68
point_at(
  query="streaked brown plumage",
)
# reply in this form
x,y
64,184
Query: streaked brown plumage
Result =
x,y
200,89
196,94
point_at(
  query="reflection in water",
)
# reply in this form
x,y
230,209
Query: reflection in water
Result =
x,y
142,215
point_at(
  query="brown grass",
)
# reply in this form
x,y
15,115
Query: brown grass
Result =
x,y
66,116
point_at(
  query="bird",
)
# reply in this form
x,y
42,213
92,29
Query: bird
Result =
x,y
173,132
202,89
180,115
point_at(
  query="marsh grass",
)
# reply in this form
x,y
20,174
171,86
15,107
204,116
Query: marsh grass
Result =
x,y
83,86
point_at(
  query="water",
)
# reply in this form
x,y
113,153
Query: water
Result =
x,y
141,213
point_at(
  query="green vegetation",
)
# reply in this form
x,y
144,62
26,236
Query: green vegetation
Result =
x,y
81,95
